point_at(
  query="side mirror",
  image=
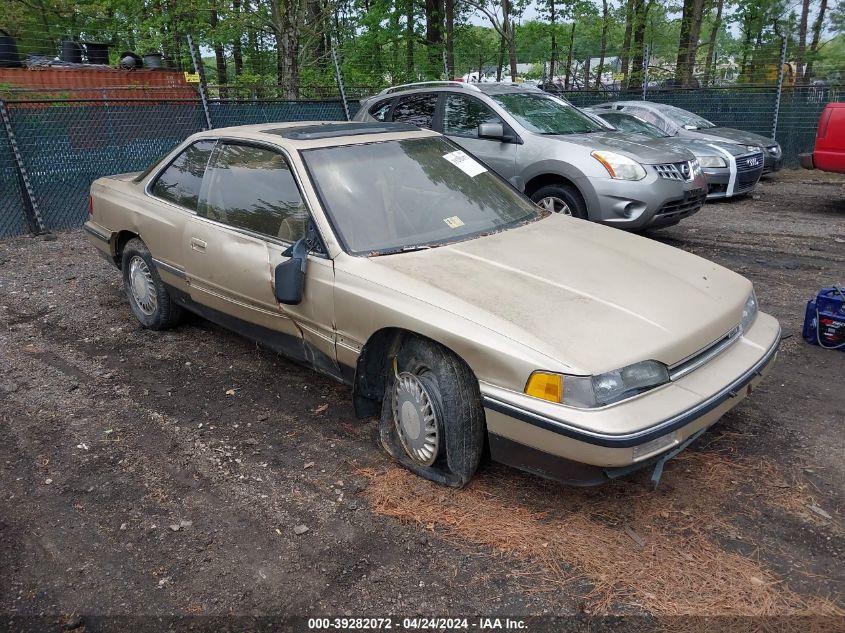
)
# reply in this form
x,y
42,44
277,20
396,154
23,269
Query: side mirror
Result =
x,y
492,131
290,274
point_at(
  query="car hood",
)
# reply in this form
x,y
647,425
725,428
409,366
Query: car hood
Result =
x,y
735,136
642,149
591,297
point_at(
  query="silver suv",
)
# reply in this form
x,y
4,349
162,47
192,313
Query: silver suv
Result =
x,y
563,160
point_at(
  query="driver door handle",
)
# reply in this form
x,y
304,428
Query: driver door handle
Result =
x,y
198,244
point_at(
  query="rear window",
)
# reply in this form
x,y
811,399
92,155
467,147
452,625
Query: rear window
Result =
x,y
180,183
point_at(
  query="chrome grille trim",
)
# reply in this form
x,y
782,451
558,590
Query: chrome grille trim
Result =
x,y
691,363
675,171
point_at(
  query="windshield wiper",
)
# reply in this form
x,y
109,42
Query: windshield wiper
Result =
x,y
403,249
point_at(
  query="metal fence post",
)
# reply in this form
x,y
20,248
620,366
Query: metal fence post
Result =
x,y
197,61
339,76
645,70
30,206
779,92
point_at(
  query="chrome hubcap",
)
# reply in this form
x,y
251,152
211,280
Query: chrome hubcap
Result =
x,y
141,285
416,422
555,205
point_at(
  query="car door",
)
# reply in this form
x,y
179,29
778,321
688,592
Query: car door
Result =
x,y
250,212
462,114
174,194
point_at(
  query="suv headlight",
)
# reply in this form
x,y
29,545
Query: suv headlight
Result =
x,y
774,150
597,391
712,161
618,166
749,312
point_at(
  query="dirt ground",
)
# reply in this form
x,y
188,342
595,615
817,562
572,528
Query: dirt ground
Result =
x,y
146,473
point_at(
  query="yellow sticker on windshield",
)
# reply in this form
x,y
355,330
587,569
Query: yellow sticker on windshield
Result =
x,y
454,222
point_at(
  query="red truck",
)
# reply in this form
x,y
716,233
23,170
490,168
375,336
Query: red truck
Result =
x,y
829,154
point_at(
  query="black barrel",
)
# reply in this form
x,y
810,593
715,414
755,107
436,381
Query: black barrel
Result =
x,y
9,57
97,53
71,52
153,61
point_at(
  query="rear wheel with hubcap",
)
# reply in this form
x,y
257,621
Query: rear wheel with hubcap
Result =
x,y
150,302
563,199
432,421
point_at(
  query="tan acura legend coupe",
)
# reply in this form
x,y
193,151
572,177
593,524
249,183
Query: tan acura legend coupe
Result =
x,y
462,314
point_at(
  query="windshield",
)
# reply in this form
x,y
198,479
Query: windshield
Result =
x,y
632,124
546,115
683,117
396,196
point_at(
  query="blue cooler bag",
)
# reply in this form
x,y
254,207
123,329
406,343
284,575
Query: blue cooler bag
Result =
x,y
824,320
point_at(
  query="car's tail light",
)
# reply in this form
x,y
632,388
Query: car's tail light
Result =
x,y
90,207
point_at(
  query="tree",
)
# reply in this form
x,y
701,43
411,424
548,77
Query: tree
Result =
x,y
501,24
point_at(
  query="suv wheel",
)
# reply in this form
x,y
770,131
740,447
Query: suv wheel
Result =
x,y
564,199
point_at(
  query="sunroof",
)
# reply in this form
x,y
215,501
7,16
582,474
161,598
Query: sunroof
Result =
x,y
334,130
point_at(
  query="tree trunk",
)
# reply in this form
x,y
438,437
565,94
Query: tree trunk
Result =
x,y
553,25
237,51
683,44
603,44
626,44
285,25
501,59
814,45
711,44
450,39
638,40
569,55
692,44
219,52
410,35
801,51
433,36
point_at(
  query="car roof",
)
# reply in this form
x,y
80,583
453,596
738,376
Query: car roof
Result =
x,y
487,88
307,134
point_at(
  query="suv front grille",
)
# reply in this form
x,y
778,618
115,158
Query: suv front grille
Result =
x,y
675,171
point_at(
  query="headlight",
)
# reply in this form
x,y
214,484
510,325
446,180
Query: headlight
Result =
x,y
597,391
620,167
712,161
695,167
774,150
749,312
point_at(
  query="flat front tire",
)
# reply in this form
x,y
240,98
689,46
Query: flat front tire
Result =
x,y
432,421
148,297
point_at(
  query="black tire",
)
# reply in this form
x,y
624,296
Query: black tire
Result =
x,y
154,309
566,193
456,401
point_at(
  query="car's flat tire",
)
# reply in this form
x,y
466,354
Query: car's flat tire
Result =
x,y
567,195
148,297
451,389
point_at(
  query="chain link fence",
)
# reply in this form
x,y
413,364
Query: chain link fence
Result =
x,y
66,142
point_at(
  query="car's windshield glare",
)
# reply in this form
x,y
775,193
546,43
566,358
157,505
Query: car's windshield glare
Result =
x,y
391,196
544,114
684,117
629,123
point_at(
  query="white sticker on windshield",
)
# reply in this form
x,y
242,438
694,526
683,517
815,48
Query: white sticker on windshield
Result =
x,y
454,222
466,164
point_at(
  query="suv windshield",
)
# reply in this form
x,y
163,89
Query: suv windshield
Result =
x,y
683,117
630,123
544,114
396,196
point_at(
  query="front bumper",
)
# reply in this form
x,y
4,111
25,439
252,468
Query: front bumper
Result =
x,y
636,205
549,439
772,163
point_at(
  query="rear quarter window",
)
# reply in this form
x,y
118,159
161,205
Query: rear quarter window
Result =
x,y
379,111
181,182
